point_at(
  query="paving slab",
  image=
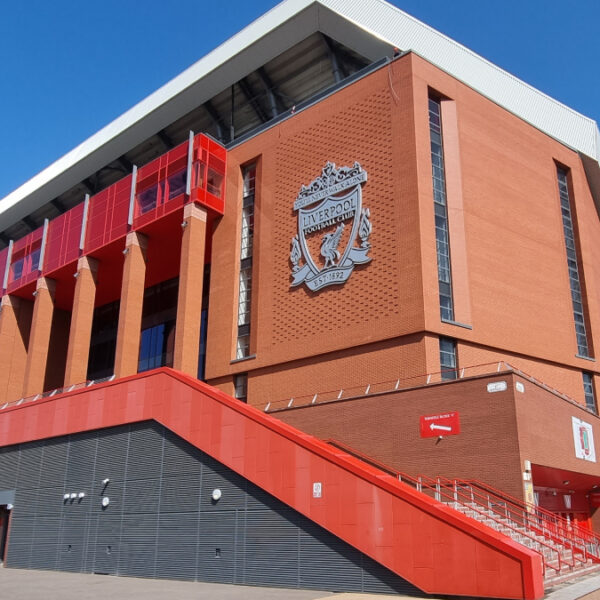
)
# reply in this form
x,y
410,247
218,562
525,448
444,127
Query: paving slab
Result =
x,y
23,584
586,588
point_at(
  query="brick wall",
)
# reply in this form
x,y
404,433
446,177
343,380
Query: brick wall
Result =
x,y
514,275
386,427
499,430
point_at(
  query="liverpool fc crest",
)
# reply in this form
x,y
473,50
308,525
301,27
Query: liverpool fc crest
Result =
x,y
331,220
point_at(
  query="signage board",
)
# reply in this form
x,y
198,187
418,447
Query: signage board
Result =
x,y
583,438
440,425
317,489
496,386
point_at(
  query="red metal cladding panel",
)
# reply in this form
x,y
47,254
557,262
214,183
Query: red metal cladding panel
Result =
x,y
433,546
24,264
120,210
161,186
107,215
62,243
208,182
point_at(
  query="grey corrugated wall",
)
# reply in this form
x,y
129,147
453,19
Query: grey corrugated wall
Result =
x,y
161,520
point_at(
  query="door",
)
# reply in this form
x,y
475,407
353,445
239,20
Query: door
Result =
x,y
4,521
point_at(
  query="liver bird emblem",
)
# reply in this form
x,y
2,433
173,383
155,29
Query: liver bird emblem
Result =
x,y
329,246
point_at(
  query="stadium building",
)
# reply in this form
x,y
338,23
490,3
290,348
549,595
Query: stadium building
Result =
x,y
321,312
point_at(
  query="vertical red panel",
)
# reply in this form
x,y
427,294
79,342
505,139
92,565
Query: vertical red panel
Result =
x,y
62,242
120,209
208,185
107,215
96,221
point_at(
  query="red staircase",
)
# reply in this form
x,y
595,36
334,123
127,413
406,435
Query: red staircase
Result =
x,y
421,539
567,551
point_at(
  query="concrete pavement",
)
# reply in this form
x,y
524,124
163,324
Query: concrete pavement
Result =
x,y
22,584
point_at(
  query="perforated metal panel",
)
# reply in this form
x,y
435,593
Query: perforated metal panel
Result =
x,y
161,520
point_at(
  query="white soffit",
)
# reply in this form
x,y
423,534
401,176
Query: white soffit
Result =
x,y
274,32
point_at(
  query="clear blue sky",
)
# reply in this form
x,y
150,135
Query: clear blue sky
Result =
x,y
69,67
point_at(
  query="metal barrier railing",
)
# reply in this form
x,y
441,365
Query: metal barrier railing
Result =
x,y
390,385
51,393
394,385
551,521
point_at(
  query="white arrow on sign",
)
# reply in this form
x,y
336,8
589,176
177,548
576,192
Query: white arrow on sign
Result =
x,y
440,427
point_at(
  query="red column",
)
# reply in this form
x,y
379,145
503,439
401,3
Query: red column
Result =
x,y
15,325
132,301
82,316
39,339
189,300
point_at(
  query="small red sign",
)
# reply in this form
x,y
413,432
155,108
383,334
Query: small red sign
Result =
x,y
440,425
595,499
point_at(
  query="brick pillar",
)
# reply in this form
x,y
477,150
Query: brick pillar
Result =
x,y
39,339
189,299
15,325
132,301
80,333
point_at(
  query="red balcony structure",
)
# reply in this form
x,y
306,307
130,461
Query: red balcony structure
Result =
x,y
193,171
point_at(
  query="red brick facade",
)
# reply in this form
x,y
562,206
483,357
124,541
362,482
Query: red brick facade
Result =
x,y
512,300
508,257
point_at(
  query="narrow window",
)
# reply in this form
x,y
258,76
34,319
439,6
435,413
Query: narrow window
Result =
x,y
245,280
447,358
240,382
442,242
588,391
572,264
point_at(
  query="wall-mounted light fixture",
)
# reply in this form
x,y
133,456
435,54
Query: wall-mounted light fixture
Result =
x,y
105,501
216,494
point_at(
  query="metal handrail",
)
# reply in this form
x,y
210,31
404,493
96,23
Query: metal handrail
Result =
x,y
520,517
459,491
559,523
422,482
382,387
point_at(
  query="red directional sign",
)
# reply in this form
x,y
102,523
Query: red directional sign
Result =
x,y
443,424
